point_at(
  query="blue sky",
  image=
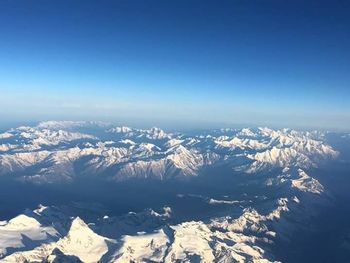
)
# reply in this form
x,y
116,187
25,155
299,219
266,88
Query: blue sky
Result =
x,y
179,63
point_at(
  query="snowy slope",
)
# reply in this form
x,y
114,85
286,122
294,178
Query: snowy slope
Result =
x,y
80,242
24,233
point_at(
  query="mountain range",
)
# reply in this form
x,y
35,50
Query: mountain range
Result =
x,y
274,190
62,151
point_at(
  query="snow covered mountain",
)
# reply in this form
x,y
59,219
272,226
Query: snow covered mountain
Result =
x,y
233,238
60,151
272,191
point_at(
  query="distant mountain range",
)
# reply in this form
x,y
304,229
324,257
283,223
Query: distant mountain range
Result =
x,y
61,151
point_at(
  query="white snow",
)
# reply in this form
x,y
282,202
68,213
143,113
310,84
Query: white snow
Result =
x,y
12,232
306,183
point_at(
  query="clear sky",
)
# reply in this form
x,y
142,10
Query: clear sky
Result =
x,y
196,63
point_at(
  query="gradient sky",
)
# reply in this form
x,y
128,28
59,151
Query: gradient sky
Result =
x,y
195,63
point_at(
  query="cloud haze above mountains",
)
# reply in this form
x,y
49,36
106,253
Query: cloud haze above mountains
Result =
x,y
193,63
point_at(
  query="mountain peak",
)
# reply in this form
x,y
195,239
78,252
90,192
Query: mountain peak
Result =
x,y
83,242
121,129
24,221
